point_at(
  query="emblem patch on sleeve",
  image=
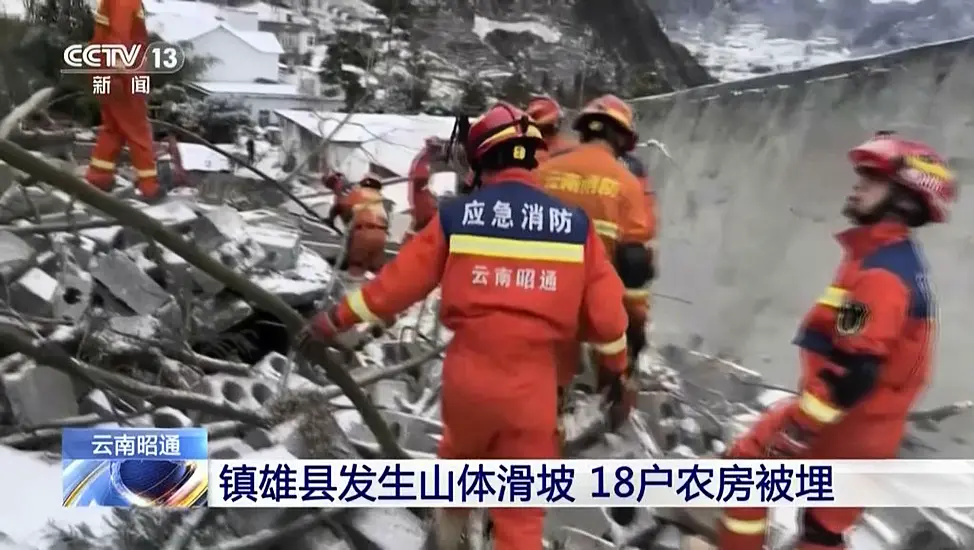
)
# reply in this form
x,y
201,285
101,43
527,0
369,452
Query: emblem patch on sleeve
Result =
x,y
851,318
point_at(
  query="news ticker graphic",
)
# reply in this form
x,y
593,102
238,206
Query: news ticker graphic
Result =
x,y
591,483
165,468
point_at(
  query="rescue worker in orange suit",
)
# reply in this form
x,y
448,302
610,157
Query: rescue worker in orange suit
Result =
x,y
591,177
518,271
369,227
340,187
547,114
422,201
865,346
124,114
638,169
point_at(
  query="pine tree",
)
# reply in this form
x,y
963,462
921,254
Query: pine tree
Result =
x,y
516,89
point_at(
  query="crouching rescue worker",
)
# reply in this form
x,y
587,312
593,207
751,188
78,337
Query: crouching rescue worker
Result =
x,y
340,187
124,112
422,201
547,114
518,272
368,227
865,346
591,177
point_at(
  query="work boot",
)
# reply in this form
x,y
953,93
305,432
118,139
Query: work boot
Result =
x,y
152,194
100,180
447,532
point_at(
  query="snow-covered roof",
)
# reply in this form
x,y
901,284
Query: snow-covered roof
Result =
x,y
181,7
261,41
176,27
188,26
267,13
199,158
390,141
248,88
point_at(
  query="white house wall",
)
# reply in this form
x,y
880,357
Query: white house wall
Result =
x,y
233,59
257,103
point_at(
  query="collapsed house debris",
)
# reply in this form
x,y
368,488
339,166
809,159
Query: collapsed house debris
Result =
x,y
185,319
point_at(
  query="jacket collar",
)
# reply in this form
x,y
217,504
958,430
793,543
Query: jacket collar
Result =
x,y
864,239
508,175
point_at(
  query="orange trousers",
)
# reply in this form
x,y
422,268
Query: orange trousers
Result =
x,y
366,249
823,528
124,121
485,417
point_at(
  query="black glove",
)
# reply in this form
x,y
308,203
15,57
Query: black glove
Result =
x,y
620,393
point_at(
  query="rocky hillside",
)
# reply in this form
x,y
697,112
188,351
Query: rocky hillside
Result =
x,y
463,51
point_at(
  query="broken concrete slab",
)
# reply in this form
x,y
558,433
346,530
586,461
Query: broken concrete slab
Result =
x,y
74,292
38,394
283,247
130,285
15,254
33,293
388,528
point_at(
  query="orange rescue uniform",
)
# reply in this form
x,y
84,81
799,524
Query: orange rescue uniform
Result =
x,y
591,178
555,145
638,169
368,223
519,271
865,358
422,201
124,114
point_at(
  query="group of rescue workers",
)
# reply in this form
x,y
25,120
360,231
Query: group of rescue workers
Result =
x,y
549,244
581,215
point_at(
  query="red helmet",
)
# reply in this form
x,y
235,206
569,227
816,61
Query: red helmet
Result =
x,y
612,110
371,181
914,165
501,123
544,111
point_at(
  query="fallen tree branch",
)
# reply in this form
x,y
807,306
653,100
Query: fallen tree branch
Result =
x,y
315,352
51,355
12,120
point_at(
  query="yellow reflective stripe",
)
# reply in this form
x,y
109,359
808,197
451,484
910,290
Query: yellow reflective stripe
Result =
x,y
101,20
496,247
819,410
356,303
833,297
611,348
745,527
146,173
638,293
101,164
606,228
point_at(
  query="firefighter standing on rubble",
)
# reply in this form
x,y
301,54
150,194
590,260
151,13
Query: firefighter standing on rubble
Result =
x,y
124,114
518,271
547,114
422,201
368,226
590,176
865,345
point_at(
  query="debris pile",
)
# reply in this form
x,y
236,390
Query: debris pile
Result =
x,y
133,334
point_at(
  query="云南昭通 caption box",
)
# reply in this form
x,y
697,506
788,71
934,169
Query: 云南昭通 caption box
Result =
x,y
120,467
591,483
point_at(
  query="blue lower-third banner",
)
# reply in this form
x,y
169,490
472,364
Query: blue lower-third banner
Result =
x,y
121,467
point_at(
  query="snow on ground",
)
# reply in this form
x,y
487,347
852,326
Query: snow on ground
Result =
x,y
483,26
745,50
34,488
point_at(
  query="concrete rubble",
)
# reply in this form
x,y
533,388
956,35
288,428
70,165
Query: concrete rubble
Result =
x,y
125,305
